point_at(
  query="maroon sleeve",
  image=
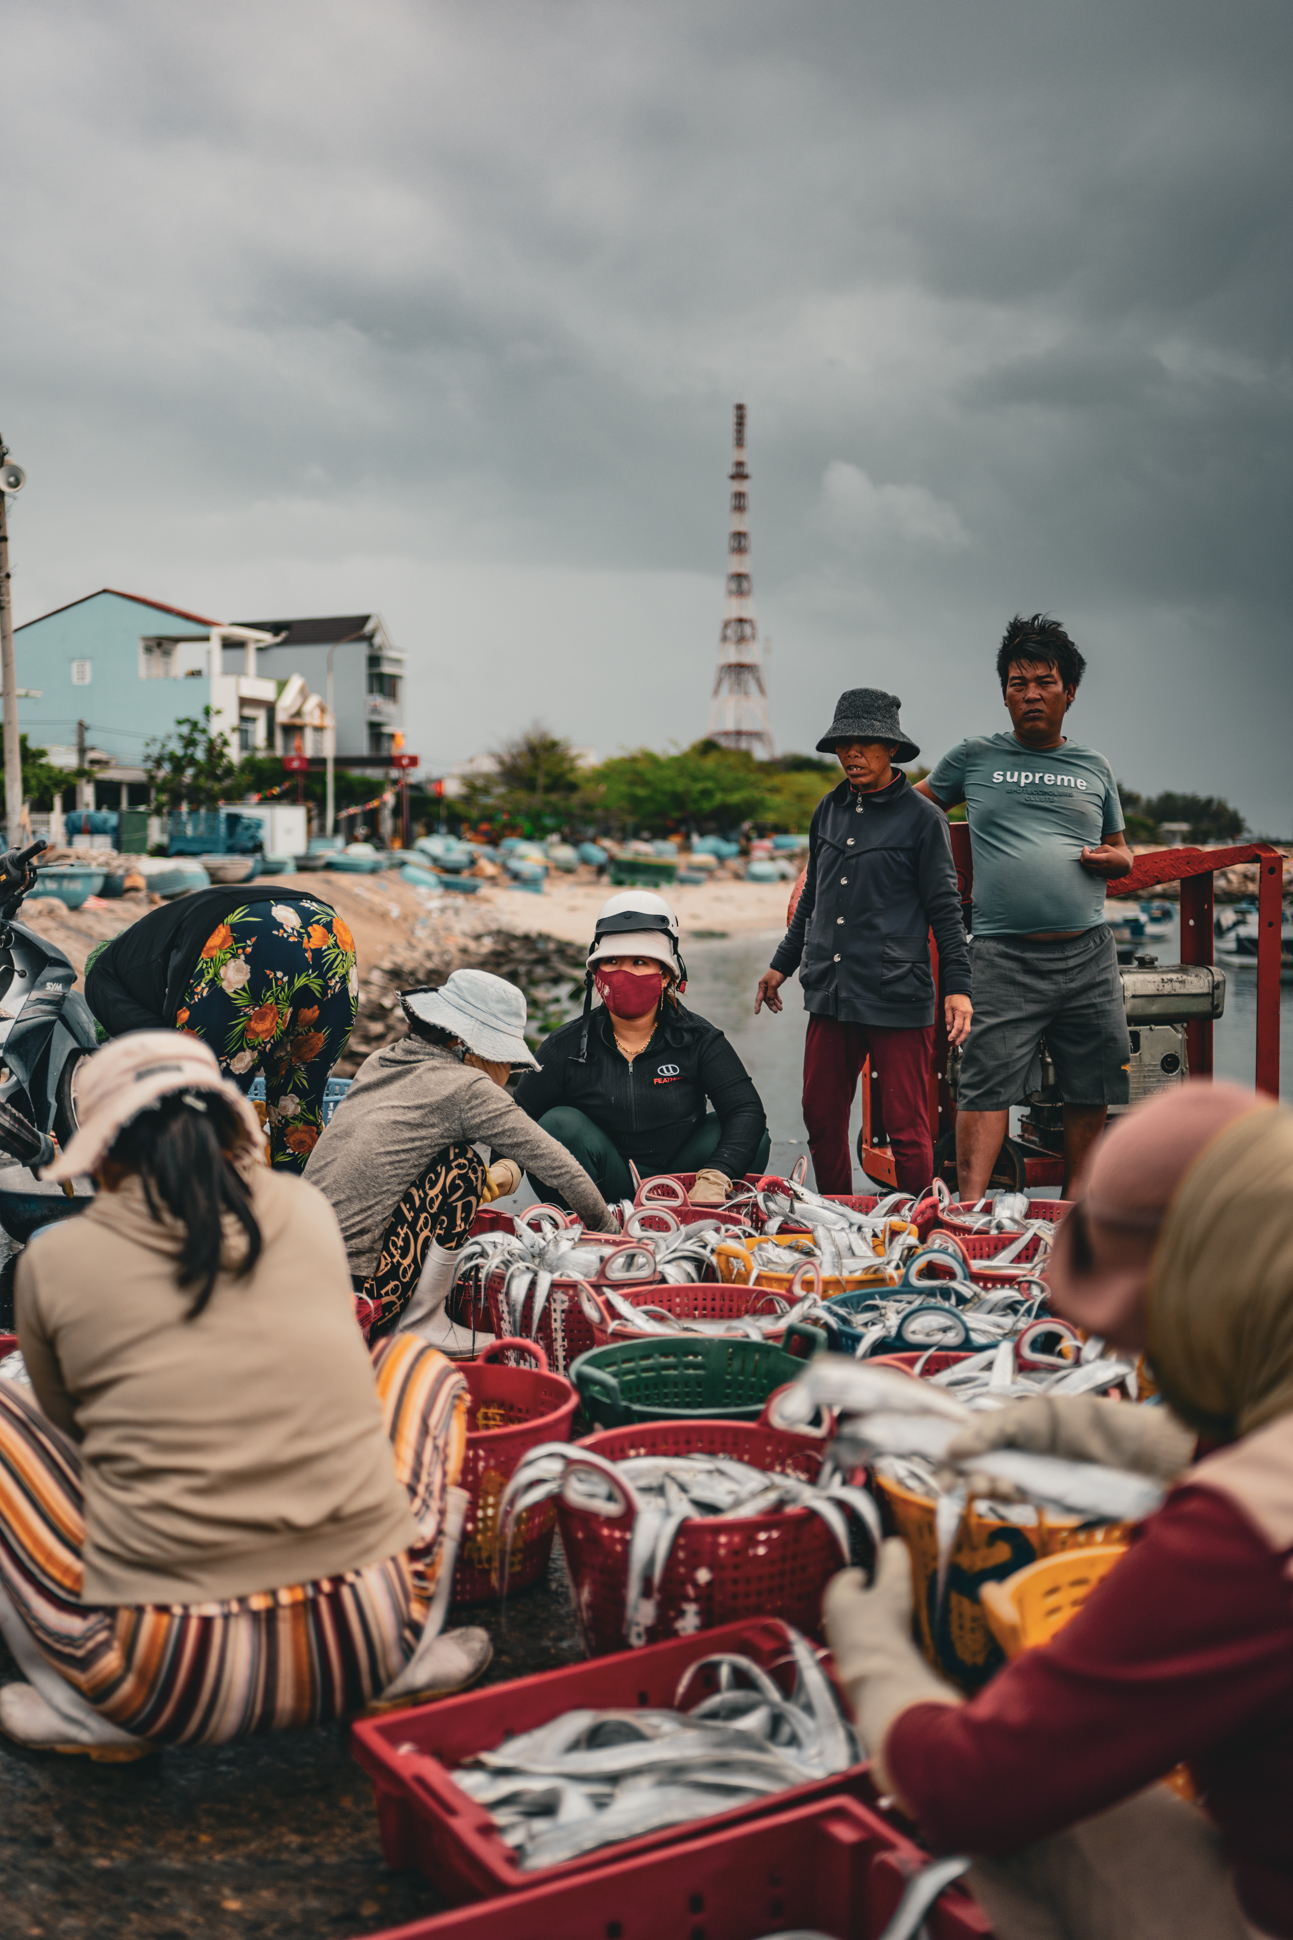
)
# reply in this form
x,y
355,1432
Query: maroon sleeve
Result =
x,y
1184,1644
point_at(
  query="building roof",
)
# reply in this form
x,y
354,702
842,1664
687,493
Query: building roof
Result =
x,y
317,633
138,599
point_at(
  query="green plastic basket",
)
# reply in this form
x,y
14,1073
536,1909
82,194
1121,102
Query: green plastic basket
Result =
x,y
669,1380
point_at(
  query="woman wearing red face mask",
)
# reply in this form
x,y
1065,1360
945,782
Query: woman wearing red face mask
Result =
x,y
641,1079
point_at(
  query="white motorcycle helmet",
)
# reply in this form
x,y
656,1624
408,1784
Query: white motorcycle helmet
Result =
x,y
636,923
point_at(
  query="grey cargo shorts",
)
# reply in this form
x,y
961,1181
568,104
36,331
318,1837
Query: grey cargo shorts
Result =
x,y
1068,992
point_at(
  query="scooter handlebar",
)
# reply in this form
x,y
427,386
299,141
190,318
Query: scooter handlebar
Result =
x,y
17,868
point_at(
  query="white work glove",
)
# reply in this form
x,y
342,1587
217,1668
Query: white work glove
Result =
x,y
869,1632
1081,1428
502,1179
711,1187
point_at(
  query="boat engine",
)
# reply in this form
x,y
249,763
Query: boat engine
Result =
x,y
1160,1000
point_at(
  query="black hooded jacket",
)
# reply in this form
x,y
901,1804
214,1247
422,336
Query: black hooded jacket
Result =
x,y
650,1108
880,877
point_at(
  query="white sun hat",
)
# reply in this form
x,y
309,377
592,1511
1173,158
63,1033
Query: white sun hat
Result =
x,y
485,1011
638,923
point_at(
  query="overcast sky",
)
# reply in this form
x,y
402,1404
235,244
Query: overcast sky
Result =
x,y
441,309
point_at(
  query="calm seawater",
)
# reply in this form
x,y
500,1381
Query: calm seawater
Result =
x,y
723,979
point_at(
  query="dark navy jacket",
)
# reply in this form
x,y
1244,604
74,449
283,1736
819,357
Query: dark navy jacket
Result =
x,y
880,877
649,1109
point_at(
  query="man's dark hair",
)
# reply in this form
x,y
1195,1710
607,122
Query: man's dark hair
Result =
x,y
1042,639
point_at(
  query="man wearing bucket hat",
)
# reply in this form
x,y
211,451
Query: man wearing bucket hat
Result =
x,y
219,1513
880,876
398,1160
641,1081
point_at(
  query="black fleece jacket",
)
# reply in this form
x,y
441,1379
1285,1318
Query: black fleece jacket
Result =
x,y
136,983
880,877
650,1108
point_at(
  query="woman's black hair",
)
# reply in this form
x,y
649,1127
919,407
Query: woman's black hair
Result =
x,y
185,1149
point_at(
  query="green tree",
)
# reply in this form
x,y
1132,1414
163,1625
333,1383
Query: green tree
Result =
x,y
1209,818
536,782
41,781
194,765
704,786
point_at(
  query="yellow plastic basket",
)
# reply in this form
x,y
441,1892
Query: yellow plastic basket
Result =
x,y
1029,1607
1032,1606
736,1264
954,1635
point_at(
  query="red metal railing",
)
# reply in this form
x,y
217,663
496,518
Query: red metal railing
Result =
x,y
1194,870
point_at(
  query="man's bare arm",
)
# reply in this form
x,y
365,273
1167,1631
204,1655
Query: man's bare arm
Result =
x,y
923,788
1111,859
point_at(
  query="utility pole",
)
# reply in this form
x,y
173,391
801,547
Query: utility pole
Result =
x,y
12,479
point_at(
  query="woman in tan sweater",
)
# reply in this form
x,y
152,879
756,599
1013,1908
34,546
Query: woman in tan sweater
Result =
x,y
217,1514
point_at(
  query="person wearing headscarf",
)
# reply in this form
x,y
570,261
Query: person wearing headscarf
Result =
x,y
398,1160
1180,1246
640,1080
220,1514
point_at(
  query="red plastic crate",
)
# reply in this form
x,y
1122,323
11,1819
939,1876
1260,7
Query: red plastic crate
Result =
x,y
8,1344
836,1866
720,1570
427,1822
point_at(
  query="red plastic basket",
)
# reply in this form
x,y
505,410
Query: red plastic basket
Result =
x,y
427,1822
836,1866
8,1344
698,1300
511,1410
951,1222
720,1570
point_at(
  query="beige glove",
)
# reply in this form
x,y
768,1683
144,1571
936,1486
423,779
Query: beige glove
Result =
x,y
503,1178
1082,1428
880,1668
711,1187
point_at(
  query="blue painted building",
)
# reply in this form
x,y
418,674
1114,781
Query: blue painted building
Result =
x,y
125,666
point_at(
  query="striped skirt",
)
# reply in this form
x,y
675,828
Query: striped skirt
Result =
x,y
206,1673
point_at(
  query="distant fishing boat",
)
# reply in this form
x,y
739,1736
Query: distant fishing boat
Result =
x,y
1237,932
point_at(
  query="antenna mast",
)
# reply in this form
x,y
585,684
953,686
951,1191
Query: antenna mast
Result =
x,y
738,714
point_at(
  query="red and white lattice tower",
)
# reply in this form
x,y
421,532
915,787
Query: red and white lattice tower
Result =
x,y
738,715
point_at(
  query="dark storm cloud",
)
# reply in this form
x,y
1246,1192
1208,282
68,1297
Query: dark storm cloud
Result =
x,y
443,308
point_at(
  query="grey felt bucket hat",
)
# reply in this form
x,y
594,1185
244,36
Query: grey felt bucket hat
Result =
x,y
485,1011
868,714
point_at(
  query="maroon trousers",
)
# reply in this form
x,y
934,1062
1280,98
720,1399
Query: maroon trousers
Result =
x,y
834,1054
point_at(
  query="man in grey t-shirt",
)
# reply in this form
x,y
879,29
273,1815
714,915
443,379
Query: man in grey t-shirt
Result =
x,y
1046,834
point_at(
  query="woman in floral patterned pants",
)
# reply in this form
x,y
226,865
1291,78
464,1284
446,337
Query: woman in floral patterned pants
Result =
x,y
275,990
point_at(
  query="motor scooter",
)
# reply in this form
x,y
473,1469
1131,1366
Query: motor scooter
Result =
x,y
46,1031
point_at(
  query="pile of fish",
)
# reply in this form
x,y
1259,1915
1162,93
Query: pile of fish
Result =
x,y
592,1778
903,1427
662,1492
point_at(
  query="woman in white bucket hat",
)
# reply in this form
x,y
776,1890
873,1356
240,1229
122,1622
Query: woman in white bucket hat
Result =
x,y
219,1514
398,1160
642,1081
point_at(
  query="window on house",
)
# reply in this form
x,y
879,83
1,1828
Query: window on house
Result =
x,y
246,733
387,685
81,671
379,740
158,659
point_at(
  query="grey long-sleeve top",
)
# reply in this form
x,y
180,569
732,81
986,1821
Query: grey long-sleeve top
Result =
x,y
407,1103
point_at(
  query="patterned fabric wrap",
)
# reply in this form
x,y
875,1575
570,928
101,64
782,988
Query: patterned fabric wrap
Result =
x,y
440,1204
207,1673
276,990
